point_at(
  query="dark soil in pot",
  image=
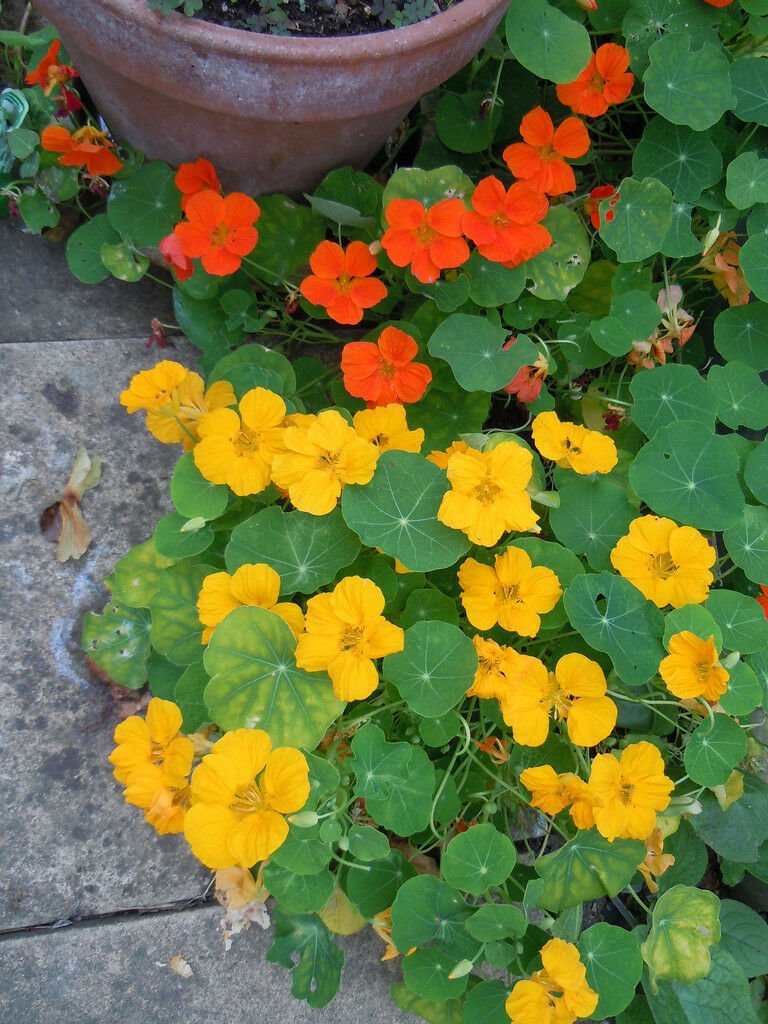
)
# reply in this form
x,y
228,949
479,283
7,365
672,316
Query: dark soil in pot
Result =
x,y
320,17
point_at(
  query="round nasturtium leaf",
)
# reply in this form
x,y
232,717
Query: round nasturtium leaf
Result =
x,y
744,934
473,347
124,262
255,683
145,206
555,272
747,543
306,551
744,693
684,924
426,973
463,122
588,867
192,495
486,1002
614,617
680,240
176,628
669,393
477,859
749,81
647,20
303,852
634,317
741,620
741,398
367,843
685,161
496,921
437,731
593,514
137,575
118,641
685,86
428,187
746,181
714,750
546,41
435,668
493,284
741,332
756,472
84,249
689,475
288,234
614,966
425,605
397,512
298,894
443,419
258,356
188,694
693,619
173,541
642,217
754,263
428,910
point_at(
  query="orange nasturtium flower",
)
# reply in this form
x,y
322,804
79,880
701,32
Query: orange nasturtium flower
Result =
x,y
669,564
718,3
252,585
512,592
604,81
344,632
628,790
173,254
49,73
722,261
572,445
240,794
192,178
574,692
655,862
341,281
237,448
552,793
488,493
383,371
762,597
592,204
220,230
539,160
558,993
386,428
319,459
692,668
503,223
427,240
87,147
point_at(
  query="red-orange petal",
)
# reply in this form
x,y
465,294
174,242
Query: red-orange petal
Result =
x,y
327,261
195,240
611,60
537,128
523,160
242,240
205,210
399,245
397,347
445,216
219,262
488,197
411,382
571,138
423,267
318,290
195,176
367,291
240,210
344,310
447,252
359,260
56,139
524,205
560,178
406,214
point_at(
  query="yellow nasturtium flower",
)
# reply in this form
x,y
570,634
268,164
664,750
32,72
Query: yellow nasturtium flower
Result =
x,y
152,389
495,663
692,668
241,793
152,741
442,458
627,791
513,592
558,993
254,585
488,494
318,459
163,797
236,448
669,564
573,446
552,793
386,428
344,632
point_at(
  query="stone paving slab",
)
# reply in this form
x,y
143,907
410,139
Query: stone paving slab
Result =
x,y
40,299
116,972
69,846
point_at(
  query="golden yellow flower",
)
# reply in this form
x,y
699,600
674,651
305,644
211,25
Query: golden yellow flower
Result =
x,y
319,459
254,585
572,445
154,741
513,592
237,448
188,403
628,790
164,798
240,794
488,495
692,668
558,993
344,632
441,458
552,793
494,662
386,428
152,389
656,862
669,564
574,692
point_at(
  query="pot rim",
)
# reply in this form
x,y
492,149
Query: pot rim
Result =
x,y
445,25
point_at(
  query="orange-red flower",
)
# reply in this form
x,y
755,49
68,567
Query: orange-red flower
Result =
x,y
503,223
719,3
762,599
341,281
527,383
539,160
173,254
592,204
192,178
86,147
603,82
429,240
383,372
219,229
49,73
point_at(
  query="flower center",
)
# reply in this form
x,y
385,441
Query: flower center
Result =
x,y
248,798
560,702
220,235
597,82
91,135
329,460
500,220
571,447
662,566
247,440
425,234
487,492
547,153
344,282
703,668
511,593
351,638
626,792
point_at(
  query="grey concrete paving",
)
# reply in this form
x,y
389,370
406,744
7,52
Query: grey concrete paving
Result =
x,y
118,972
68,845
40,300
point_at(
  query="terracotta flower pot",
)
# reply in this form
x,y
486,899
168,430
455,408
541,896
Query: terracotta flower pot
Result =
x,y
272,113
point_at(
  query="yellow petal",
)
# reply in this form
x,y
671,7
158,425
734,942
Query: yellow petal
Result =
x,y
247,749
163,720
590,720
285,783
353,676
207,828
255,837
